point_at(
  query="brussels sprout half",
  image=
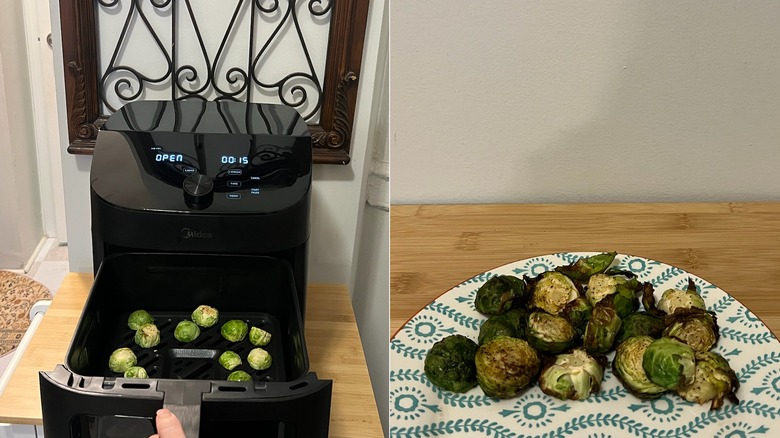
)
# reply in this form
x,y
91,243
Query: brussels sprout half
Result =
x,y
147,336
234,330
695,327
259,337
449,364
259,359
627,367
499,294
622,292
549,333
139,318
640,324
136,373
669,363
552,292
186,331
578,313
505,366
229,360
673,299
510,323
714,380
586,267
122,359
573,376
239,376
205,316
602,330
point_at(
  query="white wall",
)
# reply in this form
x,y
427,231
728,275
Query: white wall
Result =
x,y
559,101
21,224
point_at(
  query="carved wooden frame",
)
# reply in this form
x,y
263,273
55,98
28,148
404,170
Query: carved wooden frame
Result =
x,y
331,136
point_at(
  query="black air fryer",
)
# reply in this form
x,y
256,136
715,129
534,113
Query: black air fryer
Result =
x,y
194,203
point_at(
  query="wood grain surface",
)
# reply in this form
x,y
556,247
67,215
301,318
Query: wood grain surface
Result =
x,y
332,339
735,246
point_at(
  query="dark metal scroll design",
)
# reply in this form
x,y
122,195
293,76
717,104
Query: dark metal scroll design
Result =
x,y
328,97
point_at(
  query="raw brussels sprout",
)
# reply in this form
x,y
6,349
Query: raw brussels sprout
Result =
x,y
713,381
510,323
549,333
139,318
638,324
669,363
672,299
552,292
449,364
695,327
259,359
234,330
239,376
573,376
586,267
147,336
602,330
122,359
229,360
205,316
259,337
498,294
136,373
627,367
505,366
578,313
186,331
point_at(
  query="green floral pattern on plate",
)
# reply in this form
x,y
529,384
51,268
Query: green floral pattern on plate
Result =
x,y
419,409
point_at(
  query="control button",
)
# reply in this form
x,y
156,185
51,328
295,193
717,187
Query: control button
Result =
x,y
188,170
235,171
254,178
233,183
254,191
233,196
198,191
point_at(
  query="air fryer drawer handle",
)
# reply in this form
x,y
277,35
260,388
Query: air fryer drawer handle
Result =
x,y
183,399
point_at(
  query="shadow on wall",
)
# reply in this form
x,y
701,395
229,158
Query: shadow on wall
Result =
x,y
686,106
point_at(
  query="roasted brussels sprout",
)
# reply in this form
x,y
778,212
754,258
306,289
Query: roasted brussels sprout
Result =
x,y
259,337
586,267
573,376
669,363
136,373
713,381
139,318
205,316
450,364
638,324
147,336
239,376
259,359
229,360
627,367
695,327
623,292
186,331
122,359
234,330
498,294
549,333
505,366
578,313
510,323
552,292
672,299
601,330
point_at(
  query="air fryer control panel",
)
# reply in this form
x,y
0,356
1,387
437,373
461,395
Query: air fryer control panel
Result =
x,y
210,157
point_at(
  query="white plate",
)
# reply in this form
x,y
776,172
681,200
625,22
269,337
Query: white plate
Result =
x,y
419,409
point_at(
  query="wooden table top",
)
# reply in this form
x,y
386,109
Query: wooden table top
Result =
x,y
735,246
332,339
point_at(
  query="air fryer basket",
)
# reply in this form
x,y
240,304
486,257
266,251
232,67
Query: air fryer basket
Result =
x,y
86,397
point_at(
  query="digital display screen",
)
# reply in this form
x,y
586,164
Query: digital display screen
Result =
x,y
162,157
231,159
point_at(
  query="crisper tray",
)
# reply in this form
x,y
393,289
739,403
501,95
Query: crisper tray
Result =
x,y
258,290
199,359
